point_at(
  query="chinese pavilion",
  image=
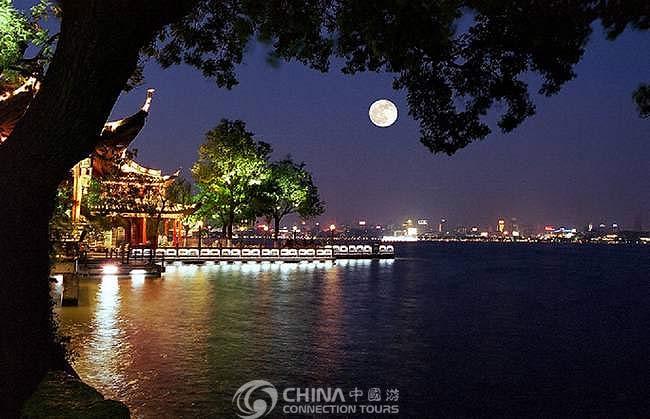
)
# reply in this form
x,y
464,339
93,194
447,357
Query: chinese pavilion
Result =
x,y
141,189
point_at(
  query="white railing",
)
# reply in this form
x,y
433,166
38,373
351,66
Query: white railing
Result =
x,y
172,253
209,253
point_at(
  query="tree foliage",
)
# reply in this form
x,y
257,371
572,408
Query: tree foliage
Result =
x,y
642,99
18,31
231,164
453,77
178,197
288,189
458,60
61,220
179,192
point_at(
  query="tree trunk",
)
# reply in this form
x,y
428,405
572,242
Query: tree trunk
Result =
x,y
276,228
231,221
96,54
229,232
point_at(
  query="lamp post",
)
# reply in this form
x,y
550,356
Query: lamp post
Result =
x,y
332,229
265,229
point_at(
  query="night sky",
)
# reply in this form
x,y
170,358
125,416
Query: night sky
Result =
x,y
584,157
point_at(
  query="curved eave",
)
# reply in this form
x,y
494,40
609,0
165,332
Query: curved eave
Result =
x,y
122,132
14,104
119,134
116,137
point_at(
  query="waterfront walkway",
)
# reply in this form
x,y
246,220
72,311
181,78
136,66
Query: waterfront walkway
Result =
x,y
152,261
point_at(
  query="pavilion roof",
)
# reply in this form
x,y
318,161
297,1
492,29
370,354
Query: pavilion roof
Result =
x,y
114,138
13,105
110,158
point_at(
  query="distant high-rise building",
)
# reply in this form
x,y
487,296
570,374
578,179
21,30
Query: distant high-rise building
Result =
x,y
514,225
501,226
442,227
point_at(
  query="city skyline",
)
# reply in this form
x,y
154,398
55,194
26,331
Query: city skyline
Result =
x,y
438,226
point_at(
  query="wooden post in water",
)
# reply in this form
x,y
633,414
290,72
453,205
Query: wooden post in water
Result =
x,y
70,294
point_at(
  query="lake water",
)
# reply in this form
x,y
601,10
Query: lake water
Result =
x,y
458,329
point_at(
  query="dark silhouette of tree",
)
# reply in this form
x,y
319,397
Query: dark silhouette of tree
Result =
x,y
452,78
642,99
231,164
617,15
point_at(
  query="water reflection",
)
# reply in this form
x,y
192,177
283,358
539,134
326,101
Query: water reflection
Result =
x,y
106,353
328,342
137,280
181,344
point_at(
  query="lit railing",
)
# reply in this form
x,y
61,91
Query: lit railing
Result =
x,y
222,253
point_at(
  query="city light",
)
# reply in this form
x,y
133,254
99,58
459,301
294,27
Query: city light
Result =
x,y
399,239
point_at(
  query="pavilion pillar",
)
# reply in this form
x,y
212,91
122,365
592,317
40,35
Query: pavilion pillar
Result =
x,y
129,232
144,230
76,194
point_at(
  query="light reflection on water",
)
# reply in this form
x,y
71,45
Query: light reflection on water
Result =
x,y
180,345
462,330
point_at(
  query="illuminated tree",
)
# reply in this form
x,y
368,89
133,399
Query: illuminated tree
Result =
x,y
61,221
17,32
452,80
288,189
231,165
176,194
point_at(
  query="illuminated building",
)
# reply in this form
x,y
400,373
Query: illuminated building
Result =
x,y
110,165
141,189
501,226
514,226
442,227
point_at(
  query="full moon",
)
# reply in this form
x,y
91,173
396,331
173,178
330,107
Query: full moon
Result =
x,y
383,113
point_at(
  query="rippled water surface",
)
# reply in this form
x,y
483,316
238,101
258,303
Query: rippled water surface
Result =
x,y
459,329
